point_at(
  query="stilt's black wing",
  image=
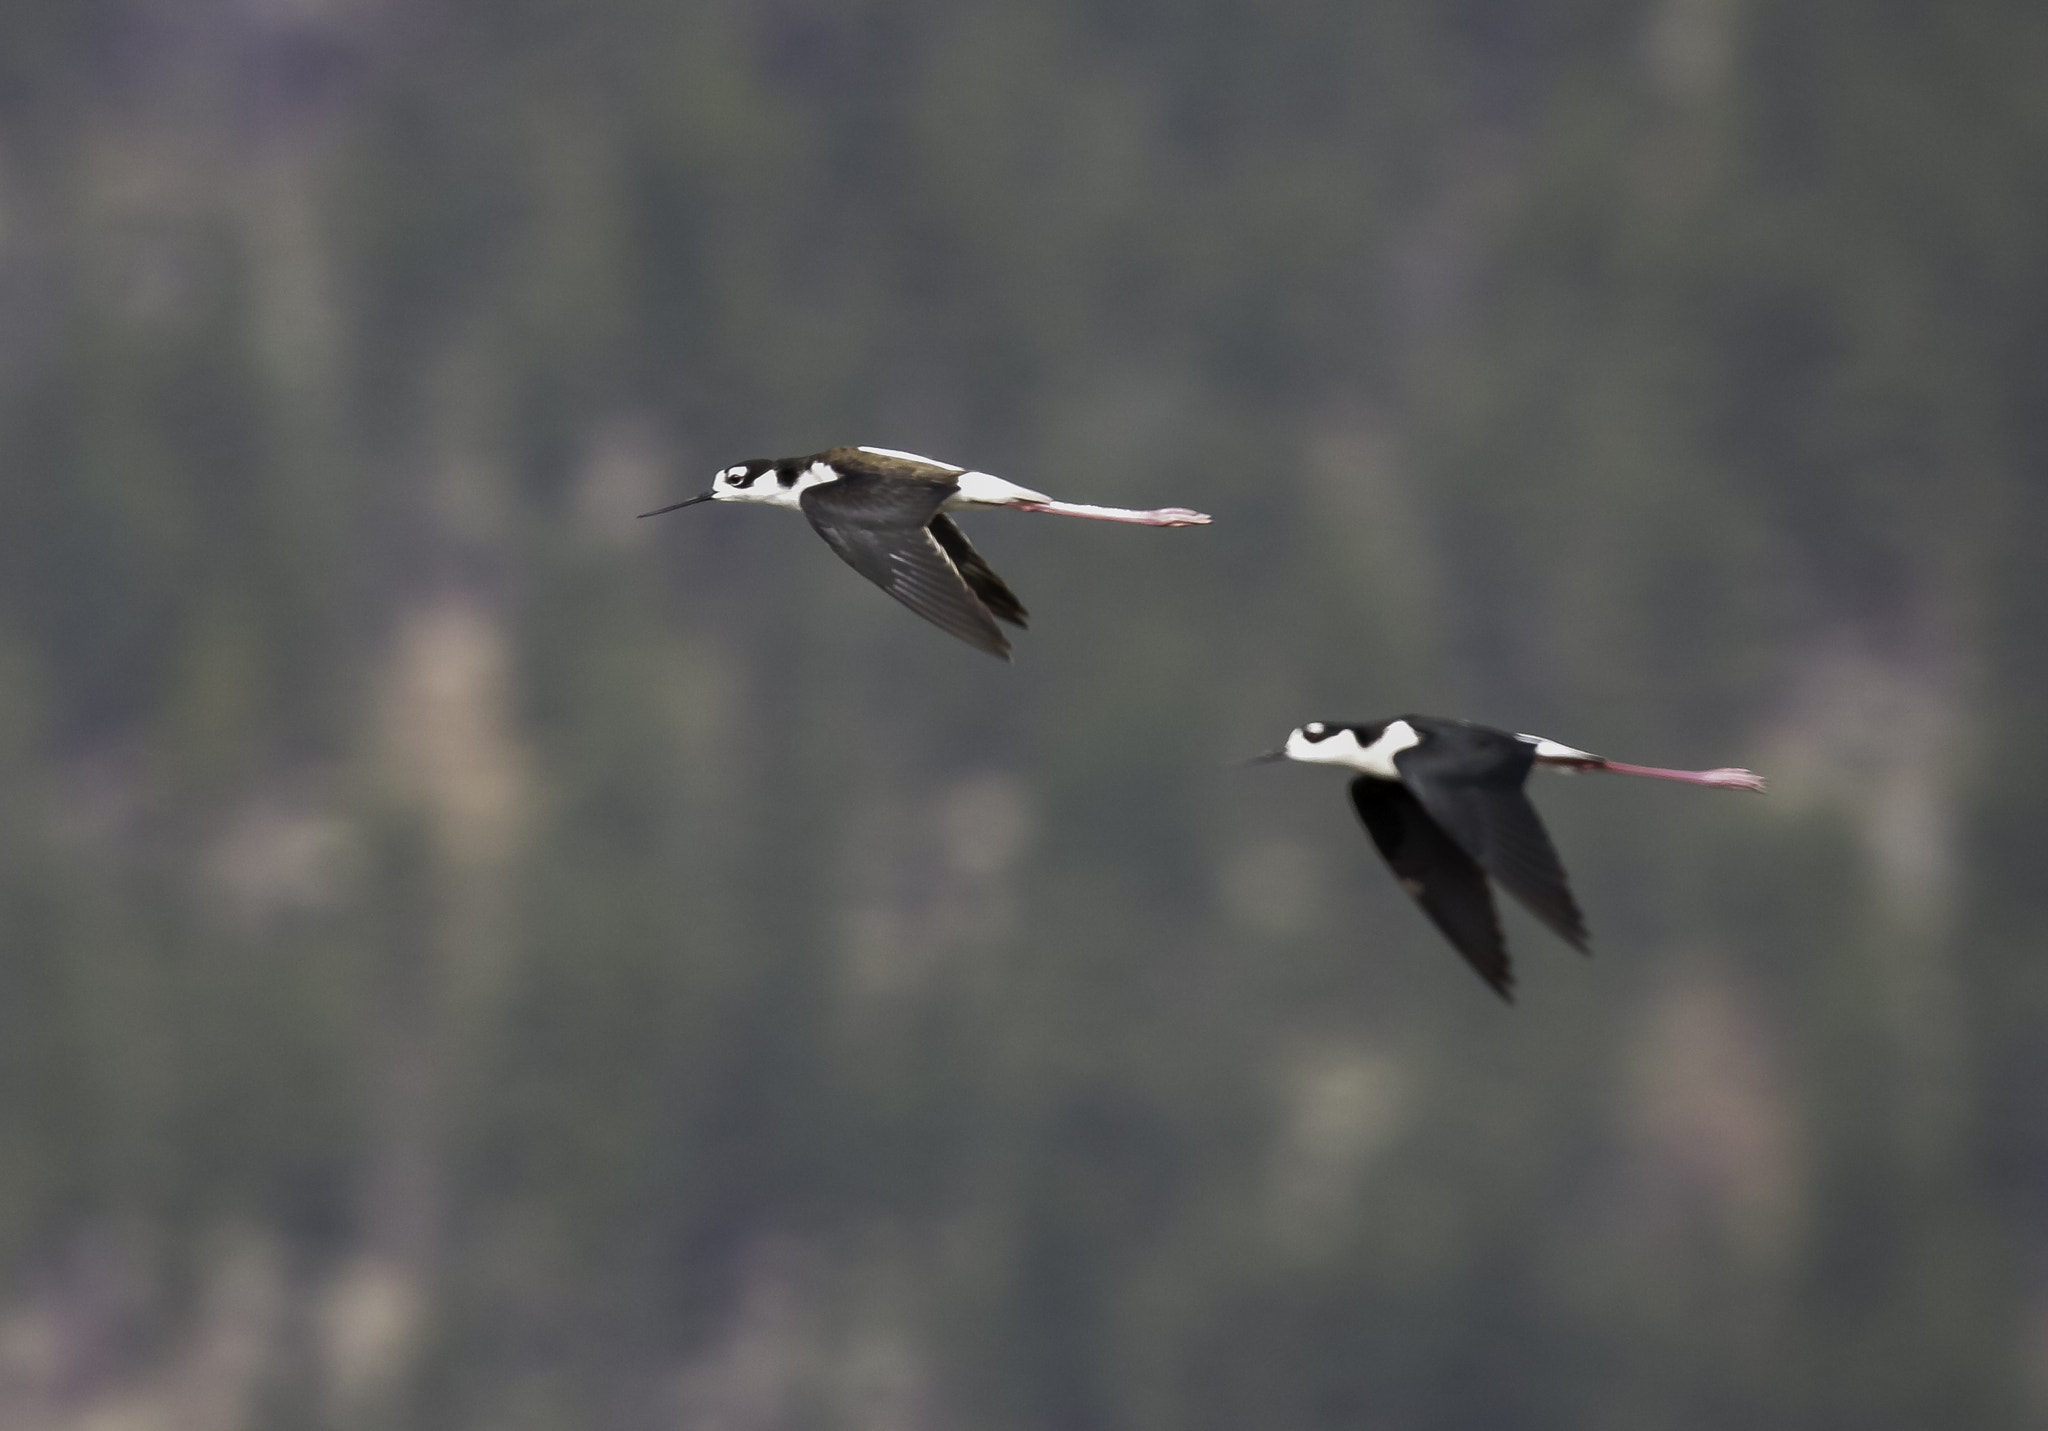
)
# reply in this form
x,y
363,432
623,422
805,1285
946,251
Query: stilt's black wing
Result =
x,y
883,530
1469,779
980,577
1434,868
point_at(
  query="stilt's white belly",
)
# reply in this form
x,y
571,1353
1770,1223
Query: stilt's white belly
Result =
x,y
981,489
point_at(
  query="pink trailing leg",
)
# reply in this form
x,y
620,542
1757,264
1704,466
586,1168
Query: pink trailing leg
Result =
x,y
1158,517
1727,777
1563,757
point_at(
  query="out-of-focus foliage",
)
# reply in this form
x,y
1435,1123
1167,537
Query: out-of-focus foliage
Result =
x,y
475,960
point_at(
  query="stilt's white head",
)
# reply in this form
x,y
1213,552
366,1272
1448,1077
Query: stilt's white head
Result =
x,y
763,480
1369,749
1321,743
756,481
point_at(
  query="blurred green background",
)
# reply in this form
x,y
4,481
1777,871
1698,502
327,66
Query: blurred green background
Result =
x,y
472,960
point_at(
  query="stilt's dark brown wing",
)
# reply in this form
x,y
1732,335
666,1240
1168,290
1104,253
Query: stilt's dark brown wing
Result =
x,y
1469,779
980,577
1438,873
883,530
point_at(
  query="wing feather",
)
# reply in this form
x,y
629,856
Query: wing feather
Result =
x,y
995,594
882,530
1438,874
1470,779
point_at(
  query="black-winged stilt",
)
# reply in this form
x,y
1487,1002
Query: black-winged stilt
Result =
x,y
1443,801
884,512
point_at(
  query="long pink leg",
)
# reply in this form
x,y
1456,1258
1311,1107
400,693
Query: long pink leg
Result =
x,y
1726,778
1158,517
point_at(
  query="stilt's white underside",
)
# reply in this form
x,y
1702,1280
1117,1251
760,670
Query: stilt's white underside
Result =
x,y
982,489
1552,750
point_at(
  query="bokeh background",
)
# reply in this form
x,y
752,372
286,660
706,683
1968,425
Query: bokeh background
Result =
x,y
472,960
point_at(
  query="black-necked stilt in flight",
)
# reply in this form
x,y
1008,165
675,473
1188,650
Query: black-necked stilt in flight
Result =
x,y
885,513
1443,801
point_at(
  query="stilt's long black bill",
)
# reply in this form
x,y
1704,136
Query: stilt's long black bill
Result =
x,y
677,506
1264,757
